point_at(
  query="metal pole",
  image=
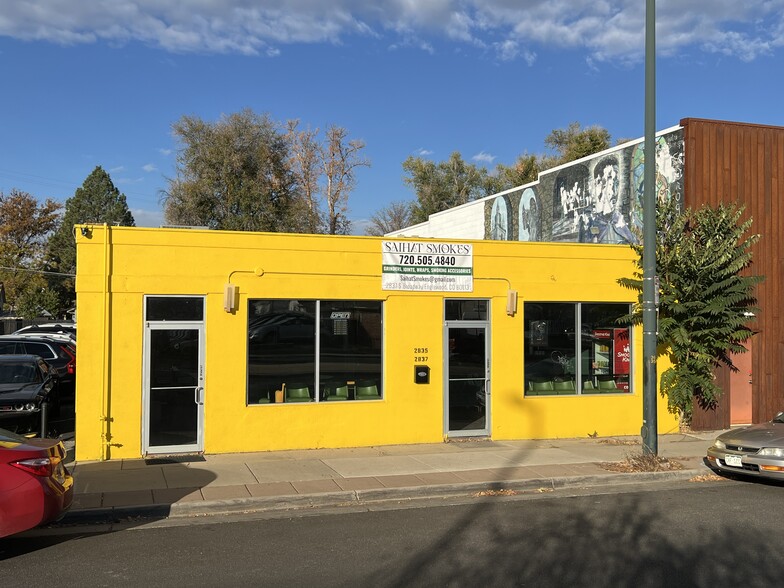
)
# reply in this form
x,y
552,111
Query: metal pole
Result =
x,y
650,440
44,418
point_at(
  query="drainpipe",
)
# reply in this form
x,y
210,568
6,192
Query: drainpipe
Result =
x,y
105,408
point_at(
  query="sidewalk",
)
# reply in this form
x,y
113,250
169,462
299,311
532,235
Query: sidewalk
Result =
x,y
214,484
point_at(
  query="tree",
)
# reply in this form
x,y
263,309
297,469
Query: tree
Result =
x,y
25,226
339,159
443,185
706,298
575,142
324,170
232,174
305,164
523,171
394,217
96,201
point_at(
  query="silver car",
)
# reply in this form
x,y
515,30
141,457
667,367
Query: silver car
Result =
x,y
757,450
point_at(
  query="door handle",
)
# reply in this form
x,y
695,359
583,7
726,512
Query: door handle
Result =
x,y
198,396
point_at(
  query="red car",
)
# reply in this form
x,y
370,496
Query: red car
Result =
x,y
35,486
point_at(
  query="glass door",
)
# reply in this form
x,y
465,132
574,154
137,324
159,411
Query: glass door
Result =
x,y
468,370
174,377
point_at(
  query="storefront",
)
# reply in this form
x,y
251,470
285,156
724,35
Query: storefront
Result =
x,y
218,342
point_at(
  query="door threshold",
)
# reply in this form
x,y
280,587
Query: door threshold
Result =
x,y
162,459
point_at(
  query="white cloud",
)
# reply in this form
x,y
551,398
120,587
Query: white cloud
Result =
x,y
149,167
483,157
422,152
147,218
608,30
165,152
117,169
127,181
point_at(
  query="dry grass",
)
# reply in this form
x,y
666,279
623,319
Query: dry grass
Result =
x,y
707,478
641,462
612,441
501,492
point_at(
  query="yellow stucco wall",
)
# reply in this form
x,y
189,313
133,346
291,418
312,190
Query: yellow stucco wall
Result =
x,y
141,261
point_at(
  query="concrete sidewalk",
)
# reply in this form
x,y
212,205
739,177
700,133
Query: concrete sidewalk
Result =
x,y
213,484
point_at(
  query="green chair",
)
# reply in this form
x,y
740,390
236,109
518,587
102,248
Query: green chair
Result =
x,y
542,388
298,394
368,392
564,387
589,388
608,386
263,400
337,393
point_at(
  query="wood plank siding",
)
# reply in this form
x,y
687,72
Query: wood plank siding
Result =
x,y
730,162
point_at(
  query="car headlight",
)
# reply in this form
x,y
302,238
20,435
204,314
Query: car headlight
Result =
x,y
719,444
771,452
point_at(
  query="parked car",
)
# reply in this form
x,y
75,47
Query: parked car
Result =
x,y
757,450
35,486
58,351
65,328
26,382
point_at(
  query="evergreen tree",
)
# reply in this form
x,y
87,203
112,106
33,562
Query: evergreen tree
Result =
x,y
706,298
96,201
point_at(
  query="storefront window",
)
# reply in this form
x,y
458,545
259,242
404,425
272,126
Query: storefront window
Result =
x,y
285,363
174,308
552,349
465,310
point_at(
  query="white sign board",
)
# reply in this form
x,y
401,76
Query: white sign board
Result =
x,y
427,266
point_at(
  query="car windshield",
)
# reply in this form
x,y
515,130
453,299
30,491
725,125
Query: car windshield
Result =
x,y
18,373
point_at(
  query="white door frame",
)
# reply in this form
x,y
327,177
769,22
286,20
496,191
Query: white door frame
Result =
x,y
197,447
467,324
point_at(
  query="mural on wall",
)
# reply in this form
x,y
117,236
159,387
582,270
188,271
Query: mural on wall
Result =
x,y
530,219
669,176
571,203
595,200
500,230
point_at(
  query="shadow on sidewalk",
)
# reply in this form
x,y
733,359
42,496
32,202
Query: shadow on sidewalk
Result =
x,y
120,509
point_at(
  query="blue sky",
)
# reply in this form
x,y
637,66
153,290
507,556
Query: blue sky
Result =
x,y
100,83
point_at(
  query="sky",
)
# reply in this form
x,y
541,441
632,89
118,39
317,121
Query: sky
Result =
x,y
94,83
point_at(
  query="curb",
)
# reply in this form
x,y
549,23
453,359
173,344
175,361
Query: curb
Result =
x,y
181,510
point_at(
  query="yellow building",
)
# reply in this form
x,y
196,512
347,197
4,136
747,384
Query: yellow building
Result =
x,y
209,341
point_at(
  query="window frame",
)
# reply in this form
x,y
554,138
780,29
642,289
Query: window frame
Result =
x,y
319,380
579,377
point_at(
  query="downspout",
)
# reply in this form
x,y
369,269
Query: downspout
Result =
x,y
106,433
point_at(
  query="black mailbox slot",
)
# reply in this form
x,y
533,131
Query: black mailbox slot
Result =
x,y
421,374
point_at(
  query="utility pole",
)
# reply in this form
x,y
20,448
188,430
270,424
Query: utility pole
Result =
x,y
650,429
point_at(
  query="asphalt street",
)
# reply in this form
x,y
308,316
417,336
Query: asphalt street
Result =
x,y
697,533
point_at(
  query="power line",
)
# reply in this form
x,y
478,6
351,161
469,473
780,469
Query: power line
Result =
x,y
32,271
51,183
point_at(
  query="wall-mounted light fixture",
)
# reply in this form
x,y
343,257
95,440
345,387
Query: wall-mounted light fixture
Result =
x,y
511,302
230,297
